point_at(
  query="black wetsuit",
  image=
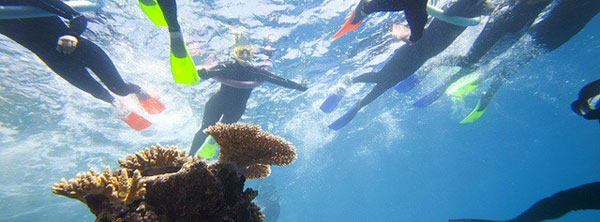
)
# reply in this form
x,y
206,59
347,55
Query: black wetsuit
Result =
x,y
414,11
229,103
40,35
409,58
584,197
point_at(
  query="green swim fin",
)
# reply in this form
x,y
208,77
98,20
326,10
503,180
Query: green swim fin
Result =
x,y
475,114
465,85
152,10
182,65
208,148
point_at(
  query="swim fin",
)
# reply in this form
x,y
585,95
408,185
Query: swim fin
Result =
x,y
465,85
151,104
152,10
136,121
351,24
344,120
475,114
208,148
407,84
182,65
430,97
330,103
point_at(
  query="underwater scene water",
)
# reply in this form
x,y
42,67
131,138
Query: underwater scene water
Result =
x,y
393,162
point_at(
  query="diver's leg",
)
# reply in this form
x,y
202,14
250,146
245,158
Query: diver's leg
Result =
x,y
93,57
236,108
585,197
74,73
169,9
212,113
369,77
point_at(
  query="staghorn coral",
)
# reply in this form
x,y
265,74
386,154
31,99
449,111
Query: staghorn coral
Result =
x,y
155,160
116,188
250,149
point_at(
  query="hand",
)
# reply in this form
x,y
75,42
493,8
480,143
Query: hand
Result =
x,y
202,73
67,44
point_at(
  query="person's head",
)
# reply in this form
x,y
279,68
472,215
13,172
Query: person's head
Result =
x,y
243,54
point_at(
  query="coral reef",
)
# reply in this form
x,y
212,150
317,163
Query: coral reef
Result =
x,y
162,184
155,160
250,149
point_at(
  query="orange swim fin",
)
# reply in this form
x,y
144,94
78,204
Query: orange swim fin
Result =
x,y
152,105
136,121
348,26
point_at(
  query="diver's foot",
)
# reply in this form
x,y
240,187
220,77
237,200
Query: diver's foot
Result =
x,y
150,103
148,2
178,45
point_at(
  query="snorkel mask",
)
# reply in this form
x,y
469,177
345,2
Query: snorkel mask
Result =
x,y
241,50
589,109
243,54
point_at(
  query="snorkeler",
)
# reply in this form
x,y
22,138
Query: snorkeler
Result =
x,y
414,11
408,58
588,103
565,19
164,13
508,24
68,54
584,197
238,79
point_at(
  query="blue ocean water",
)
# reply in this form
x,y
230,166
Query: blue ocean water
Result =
x,y
393,162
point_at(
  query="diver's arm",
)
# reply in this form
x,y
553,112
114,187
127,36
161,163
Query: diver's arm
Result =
x,y
265,75
218,71
77,22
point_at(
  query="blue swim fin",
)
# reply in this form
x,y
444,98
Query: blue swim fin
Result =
x,y
330,103
345,119
430,98
407,84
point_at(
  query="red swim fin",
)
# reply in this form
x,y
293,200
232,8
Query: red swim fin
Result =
x,y
348,26
136,121
152,105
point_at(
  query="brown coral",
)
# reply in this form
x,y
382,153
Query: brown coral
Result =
x,y
251,149
155,160
118,188
196,191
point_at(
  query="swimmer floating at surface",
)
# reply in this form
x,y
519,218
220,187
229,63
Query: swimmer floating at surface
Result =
x,y
68,54
503,29
584,197
414,11
565,19
407,59
237,79
588,103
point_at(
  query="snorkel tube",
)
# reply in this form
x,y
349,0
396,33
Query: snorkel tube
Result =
x,y
21,11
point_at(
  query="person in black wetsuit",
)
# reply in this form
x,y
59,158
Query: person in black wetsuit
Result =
x,y
237,79
63,49
584,197
588,103
565,19
409,58
414,11
506,27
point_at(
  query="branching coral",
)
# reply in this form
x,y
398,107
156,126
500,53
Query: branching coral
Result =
x,y
155,160
118,188
251,149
